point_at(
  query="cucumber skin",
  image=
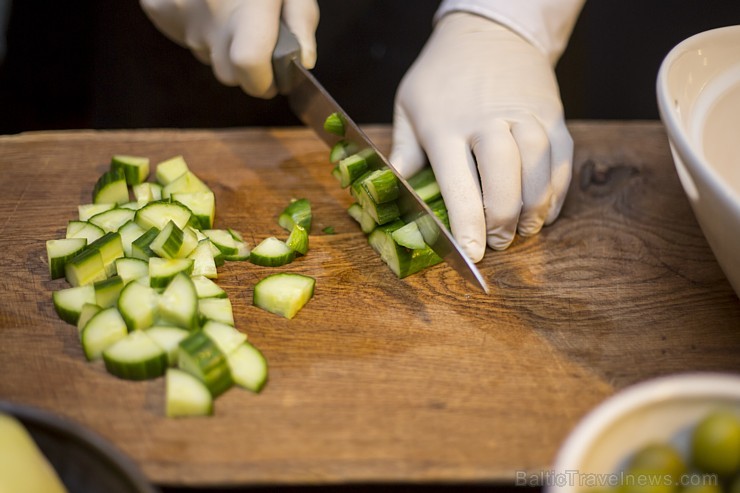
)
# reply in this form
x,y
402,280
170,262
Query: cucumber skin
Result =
x,y
147,370
409,261
105,184
210,361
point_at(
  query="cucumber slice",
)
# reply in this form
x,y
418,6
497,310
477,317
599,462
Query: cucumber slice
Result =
x,y
284,293
85,268
108,291
129,232
365,220
168,242
86,211
298,240
134,206
110,247
334,124
135,357
158,214
112,219
162,270
409,236
168,338
138,305
341,150
103,330
297,212
147,192
178,304
217,309
204,263
170,170
351,168
68,302
86,313
425,185
141,246
201,204
206,288
83,229
134,168
248,367
58,252
226,337
186,395
185,183
401,260
382,213
243,252
223,240
382,185
202,358
271,252
129,268
110,188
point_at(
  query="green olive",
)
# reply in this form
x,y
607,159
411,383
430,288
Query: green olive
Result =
x,y
661,458
638,480
715,444
734,486
707,487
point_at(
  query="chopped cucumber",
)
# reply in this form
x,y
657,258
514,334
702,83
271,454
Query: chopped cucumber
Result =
x,y
382,185
204,261
83,229
401,260
248,367
168,242
334,124
163,270
139,305
168,338
134,168
86,313
141,246
84,268
86,211
201,204
129,232
129,268
58,252
147,192
226,337
297,212
107,291
103,330
363,218
298,240
186,395
135,357
206,288
178,304
158,214
425,185
111,188
185,183
68,302
351,168
271,252
284,293
341,150
224,241
170,170
409,236
243,252
110,247
113,219
216,309
200,356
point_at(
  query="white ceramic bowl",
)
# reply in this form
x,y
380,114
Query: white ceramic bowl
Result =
x,y
698,90
663,409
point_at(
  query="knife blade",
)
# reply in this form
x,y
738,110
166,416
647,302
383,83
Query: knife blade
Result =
x,y
311,103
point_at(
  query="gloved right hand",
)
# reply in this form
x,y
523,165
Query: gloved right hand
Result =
x,y
237,37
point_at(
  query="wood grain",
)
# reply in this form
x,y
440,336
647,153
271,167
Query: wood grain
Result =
x,y
380,379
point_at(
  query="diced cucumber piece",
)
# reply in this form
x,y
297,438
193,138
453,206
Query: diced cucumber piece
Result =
x,y
382,213
103,330
110,247
163,270
129,268
271,252
223,240
201,204
168,242
206,288
170,170
242,252
186,395
141,246
110,188
236,235
84,268
284,293
226,337
86,211
134,168
139,305
334,124
216,309
382,185
297,212
158,214
401,260
351,168
68,302
134,206
298,240
135,357
112,219
439,209
107,291
186,183
58,252
425,185
168,338
178,304
86,313
409,236
365,220
147,192
341,150
204,263
83,229
201,357
129,232
248,367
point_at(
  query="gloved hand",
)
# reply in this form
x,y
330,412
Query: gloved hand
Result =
x,y
237,37
484,106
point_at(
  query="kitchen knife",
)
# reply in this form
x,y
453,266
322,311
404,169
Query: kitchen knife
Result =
x,y
312,104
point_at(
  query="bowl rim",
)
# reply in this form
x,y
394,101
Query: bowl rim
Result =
x,y
640,395
75,431
729,196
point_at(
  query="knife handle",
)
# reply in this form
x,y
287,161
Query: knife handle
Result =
x,y
286,50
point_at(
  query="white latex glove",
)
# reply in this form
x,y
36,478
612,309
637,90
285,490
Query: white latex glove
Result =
x,y
483,105
237,37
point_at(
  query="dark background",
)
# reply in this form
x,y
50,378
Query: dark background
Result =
x,y
101,64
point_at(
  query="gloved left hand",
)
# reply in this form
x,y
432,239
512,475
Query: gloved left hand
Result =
x,y
237,37
483,105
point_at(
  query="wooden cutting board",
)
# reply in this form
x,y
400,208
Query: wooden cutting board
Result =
x,y
379,379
